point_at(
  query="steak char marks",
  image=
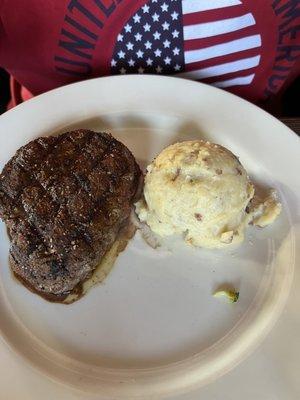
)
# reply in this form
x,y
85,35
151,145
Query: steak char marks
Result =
x,y
64,200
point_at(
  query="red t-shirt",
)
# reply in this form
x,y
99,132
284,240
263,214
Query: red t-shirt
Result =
x,y
249,47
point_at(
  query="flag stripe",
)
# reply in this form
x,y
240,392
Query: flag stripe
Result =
x,y
234,46
219,39
213,15
193,6
221,60
215,28
226,68
238,81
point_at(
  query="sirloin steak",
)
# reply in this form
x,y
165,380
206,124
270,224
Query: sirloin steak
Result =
x,y
64,199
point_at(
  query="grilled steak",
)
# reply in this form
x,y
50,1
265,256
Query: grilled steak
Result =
x,y
64,200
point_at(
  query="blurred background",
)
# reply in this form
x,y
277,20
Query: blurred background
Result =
x,y
4,87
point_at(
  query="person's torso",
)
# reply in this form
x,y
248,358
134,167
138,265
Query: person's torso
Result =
x,y
248,47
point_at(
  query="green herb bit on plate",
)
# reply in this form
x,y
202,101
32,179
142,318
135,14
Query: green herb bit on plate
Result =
x,y
231,295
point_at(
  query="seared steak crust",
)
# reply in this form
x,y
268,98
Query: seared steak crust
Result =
x,y
64,199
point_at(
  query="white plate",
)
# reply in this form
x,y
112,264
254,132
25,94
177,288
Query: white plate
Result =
x,y
153,328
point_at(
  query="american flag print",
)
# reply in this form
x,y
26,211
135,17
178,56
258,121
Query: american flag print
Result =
x,y
214,41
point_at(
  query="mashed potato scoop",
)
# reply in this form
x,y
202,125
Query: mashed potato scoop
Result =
x,y
201,191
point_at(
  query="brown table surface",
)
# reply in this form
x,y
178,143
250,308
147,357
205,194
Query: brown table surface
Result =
x,y
292,123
